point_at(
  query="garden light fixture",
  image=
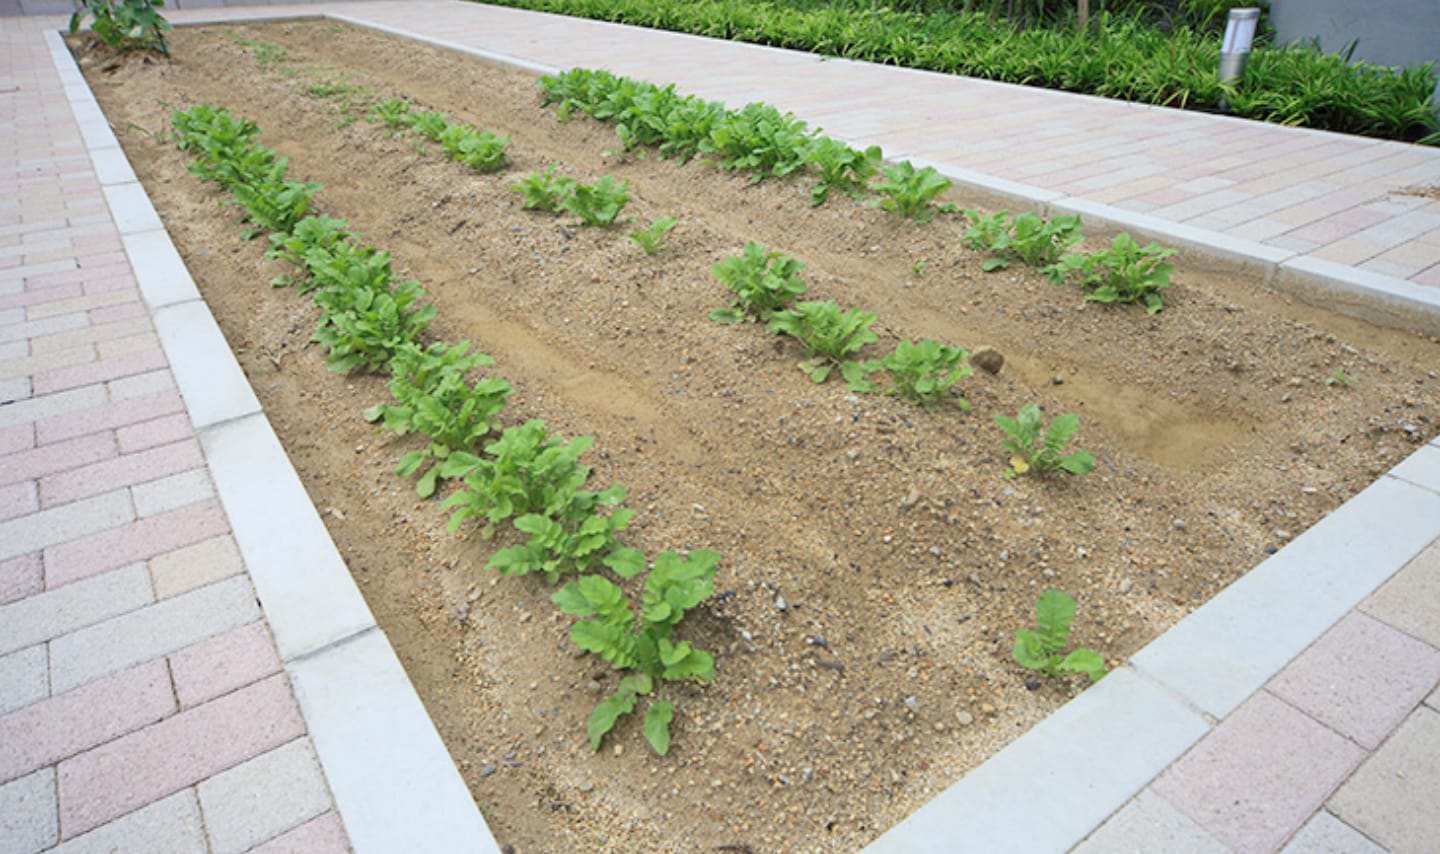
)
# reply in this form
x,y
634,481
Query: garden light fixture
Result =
x,y
1235,49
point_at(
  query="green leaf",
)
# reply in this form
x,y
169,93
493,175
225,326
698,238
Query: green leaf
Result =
x,y
610,710
425,487
990,265
1029,650
1054,613
657,725
1080,462
626,562
1084,661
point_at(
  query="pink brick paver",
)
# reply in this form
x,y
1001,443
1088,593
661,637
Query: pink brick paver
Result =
x,y
145,766
321,835
140,540
43,733
1260,775
217,666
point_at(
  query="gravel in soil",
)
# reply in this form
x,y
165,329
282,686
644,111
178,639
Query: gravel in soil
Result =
x,y
876,561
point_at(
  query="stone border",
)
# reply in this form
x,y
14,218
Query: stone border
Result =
x,y
395,786
1046,791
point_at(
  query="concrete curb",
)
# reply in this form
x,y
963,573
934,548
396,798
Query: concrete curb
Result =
x,y
395,786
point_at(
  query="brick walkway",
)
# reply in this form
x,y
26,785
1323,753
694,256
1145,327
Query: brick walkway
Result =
x,y
143,705
147,702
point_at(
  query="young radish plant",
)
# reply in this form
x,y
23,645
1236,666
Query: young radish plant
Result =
x,y
313,234
1040,650
640,640
434,398
544,191
125,24
1126,272
841,168
1038,451
571,539
1028,238
923,373
763,282
526,470
652,237
599,204
482,151
829,337
910,192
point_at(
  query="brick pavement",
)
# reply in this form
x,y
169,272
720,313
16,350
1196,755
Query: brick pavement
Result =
x,y
143,705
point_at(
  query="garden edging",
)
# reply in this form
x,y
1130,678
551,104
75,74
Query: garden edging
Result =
x,y
396,786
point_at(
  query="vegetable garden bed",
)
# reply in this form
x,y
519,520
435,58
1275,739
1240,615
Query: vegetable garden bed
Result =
x,y
875,559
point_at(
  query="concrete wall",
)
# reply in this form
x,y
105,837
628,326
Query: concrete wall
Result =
x,y
1390,32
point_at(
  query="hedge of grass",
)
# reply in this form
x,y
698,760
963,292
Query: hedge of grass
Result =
x,y
1116,57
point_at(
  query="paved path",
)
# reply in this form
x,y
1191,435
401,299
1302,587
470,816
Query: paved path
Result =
x,y
142,701
148,703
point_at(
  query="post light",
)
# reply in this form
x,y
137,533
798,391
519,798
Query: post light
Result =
x,y
1235,49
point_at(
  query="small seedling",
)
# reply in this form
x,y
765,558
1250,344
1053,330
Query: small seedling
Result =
x,y
763,282
652,238
544,191
482,151
841,168
918,269
1028,238
923,373
829,337
1126,272
639,640
599,204
1040,650
909,192
1033,452
1339,378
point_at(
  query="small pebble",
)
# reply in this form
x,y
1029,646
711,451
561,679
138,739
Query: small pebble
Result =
x,y
488,770
964,718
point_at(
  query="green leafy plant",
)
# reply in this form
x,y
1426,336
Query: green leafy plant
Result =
x,y
393,114
923,373
763,282
1028,238
313,234
829,337
761,140
1040,650
526,470
430,124
571,539
598,204
841,167
544,191
652,237
272,202
909,192
1126,272
124,24
363,328
433,398
641,640
1036,450
482,151
1339,378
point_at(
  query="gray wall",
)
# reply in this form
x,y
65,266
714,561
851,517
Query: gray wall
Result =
x,y
1391,32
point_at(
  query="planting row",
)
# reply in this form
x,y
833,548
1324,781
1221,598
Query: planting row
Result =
x,y
371,321
765,142
1116,56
